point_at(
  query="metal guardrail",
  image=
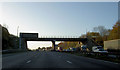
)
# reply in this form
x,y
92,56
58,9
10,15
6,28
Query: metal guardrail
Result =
x,y
12,51
114,55
58,37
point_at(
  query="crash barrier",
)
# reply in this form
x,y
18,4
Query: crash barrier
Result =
x,y
109,54
12,51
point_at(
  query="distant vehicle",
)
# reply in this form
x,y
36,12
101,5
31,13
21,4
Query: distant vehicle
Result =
x,y
98,49
83,48
51,50
37,50
64,49
43,49
59,49
73,49
67,50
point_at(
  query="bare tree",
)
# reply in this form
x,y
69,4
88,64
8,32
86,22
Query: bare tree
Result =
x,y
39,48
102,30
5,25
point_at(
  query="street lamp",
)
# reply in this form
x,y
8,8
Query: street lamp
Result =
x,y
17,30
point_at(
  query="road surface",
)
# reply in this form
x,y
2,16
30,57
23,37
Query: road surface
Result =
x,y
53,60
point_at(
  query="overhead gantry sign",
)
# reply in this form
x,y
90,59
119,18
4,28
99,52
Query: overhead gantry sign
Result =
x,y
24,36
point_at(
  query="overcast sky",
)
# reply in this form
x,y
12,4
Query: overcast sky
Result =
x,y
58,18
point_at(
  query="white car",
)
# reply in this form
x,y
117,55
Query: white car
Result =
x,y
98,49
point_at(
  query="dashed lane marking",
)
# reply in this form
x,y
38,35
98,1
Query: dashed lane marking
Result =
x,y
28,61
69,62
110,62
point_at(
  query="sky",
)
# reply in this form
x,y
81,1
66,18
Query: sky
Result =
x,y
57,19
59,0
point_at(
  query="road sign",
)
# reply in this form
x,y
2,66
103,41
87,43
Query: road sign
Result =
x,y
29,35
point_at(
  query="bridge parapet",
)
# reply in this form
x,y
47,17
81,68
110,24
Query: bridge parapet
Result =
x,y
58,37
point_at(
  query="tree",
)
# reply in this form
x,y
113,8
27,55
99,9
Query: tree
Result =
x,y
93,34
102,30
39,48
67,44
43,48
83,36
5,38
115,32
5,25
96,37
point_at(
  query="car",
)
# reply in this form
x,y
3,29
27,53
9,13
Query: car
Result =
x,y
73,49
64,50
98,49
68,50
84,48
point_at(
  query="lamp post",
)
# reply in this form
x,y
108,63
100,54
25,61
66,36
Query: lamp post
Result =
x,y
17,30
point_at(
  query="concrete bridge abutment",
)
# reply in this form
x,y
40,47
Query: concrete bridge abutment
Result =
x,y
53,45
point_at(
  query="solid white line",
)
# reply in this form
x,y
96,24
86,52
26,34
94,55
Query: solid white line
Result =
x,y
69,62
110,62
28,61
115,63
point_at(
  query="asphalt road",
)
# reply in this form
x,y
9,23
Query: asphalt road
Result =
x,y
54,60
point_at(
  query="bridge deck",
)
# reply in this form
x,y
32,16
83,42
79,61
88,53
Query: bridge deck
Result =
x,y
56,39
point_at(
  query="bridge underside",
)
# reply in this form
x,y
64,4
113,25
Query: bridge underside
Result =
x,y
56,39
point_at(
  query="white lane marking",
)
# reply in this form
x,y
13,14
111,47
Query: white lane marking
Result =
x,y
28,61
115,63
110,62
69,62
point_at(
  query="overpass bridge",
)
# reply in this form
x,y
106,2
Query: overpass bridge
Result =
x,y
24,37
56,39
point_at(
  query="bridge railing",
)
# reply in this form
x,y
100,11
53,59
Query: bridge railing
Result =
x,y
59,37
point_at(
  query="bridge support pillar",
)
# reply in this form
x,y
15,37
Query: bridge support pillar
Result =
x,y
26,45
53,45
20,42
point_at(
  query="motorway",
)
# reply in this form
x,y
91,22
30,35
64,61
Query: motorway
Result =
x,y
45,59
